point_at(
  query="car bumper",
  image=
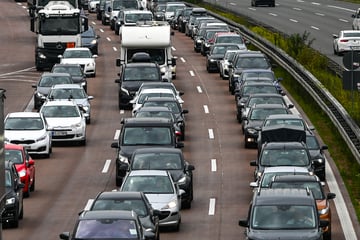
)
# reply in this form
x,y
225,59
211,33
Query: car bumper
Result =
x,y
9,214
168,218
40,147
64,135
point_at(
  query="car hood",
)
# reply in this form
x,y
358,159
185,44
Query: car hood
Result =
x,y
159,201
24,134
295,234
62,122
134,85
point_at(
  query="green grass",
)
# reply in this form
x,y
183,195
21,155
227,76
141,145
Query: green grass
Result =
x,y
299,47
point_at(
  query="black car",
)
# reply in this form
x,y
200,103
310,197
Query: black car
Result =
x,y
13,210
246,60
254,120
270,3
135,201
242,109
317,155
75,70
204,37
171,160
132,75
174,106
142,133
285,214
89,39
108,224
216,53
46,81
183,18
282,154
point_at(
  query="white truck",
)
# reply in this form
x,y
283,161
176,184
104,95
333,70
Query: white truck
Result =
x,y
356,20
152,37
58,26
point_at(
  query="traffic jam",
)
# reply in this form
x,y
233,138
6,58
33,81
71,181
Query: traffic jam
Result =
x,y
154,180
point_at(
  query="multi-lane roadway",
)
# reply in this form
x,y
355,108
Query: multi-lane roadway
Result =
x,y
74,174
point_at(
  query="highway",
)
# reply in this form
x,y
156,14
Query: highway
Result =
x,y
73,175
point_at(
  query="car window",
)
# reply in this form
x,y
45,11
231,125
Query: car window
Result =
x,y
147,136
261,114
284,157
252,62
173,106
315,187
77,54
14,156
49,81
68,93
157,161
148,184
13,123
136,205
106,229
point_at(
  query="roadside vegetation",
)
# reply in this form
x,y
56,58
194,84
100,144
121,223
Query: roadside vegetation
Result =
x,y
298,46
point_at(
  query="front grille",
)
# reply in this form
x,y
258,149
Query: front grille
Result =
x,y
64,137
22,141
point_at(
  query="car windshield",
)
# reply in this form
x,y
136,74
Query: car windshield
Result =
x,y
155,114
49,81
312,143
136,205
106,228
284,157
266,178
262,113
147,136
157,161
252,89
148,184
14,156
258,75
315,187
141,73
351,34
77,54
229,39
222,49
76,93
135,17
14,123
262,100
173,106
144,96
252,62
283,217
60,111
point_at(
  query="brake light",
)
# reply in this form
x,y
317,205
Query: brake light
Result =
x,y
70,45
344,40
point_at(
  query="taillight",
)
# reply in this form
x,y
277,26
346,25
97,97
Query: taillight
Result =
x,y
344,40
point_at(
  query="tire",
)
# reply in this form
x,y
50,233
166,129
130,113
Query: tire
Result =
x,y
21,214
88,120
27,193
327,235
32,187
118,181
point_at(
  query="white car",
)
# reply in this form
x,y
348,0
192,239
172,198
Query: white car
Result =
x,y
66,121
161,191
92,5
82,56
346,41
30,130
75,92
225,62
152,92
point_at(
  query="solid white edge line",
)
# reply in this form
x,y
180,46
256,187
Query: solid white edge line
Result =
x,y
341,209
109,39
192,73
212,206
115,49
106,166
213,165
211,133
182,59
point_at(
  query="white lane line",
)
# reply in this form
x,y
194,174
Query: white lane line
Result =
x,y
93,23
320,14
343,20
192,73
297,9
293,20
232,4
199,89
117,134
212,206
109,39
173,48
273,14
206,109
106,166
213,165
316,28
101,30
252,9
341,8
182,59
115,49
211,133
88,204
340,205
315,3
122,111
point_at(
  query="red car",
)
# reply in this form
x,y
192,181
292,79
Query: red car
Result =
x,y
25,166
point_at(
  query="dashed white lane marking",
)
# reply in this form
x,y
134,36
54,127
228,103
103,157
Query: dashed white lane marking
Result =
x,y
212,206
192,73
211,133
213,165
199,89
106,166
206,109
117,134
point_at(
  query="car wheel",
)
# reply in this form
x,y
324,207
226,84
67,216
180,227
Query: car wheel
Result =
x,y
88,120
26,194
32,187
327,234
21,214
118,181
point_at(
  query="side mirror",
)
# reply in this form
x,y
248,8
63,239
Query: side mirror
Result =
x,y
114,145
253,163
243,223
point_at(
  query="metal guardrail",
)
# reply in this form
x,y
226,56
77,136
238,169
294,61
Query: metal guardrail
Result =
x,y
348,129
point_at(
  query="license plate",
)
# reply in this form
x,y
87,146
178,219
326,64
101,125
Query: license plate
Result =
x,y
59,133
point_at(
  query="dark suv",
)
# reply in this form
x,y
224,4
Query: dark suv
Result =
x,y
133,74
13,210
142,133
289,213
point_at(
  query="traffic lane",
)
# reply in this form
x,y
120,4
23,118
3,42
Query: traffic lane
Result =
x,y
213,144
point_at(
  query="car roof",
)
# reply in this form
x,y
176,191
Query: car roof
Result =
x,y
108,214
156,90
24,114
77,49
147,120
286,196
119,195
45,74
165,99
284,145
148,173
268,105
62,86
130,11
67,65
293,169
261,70
266,95
296,178
60,102
13,146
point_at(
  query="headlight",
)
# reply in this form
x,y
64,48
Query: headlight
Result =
x,y
41,138
123,159
93,42
324,211
10,201
207,45
77,125
319,160
251,130
86,108
163,69
42,56
182,180
172,204
22,173
212,60
235,76
83,84
198,41
40,94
